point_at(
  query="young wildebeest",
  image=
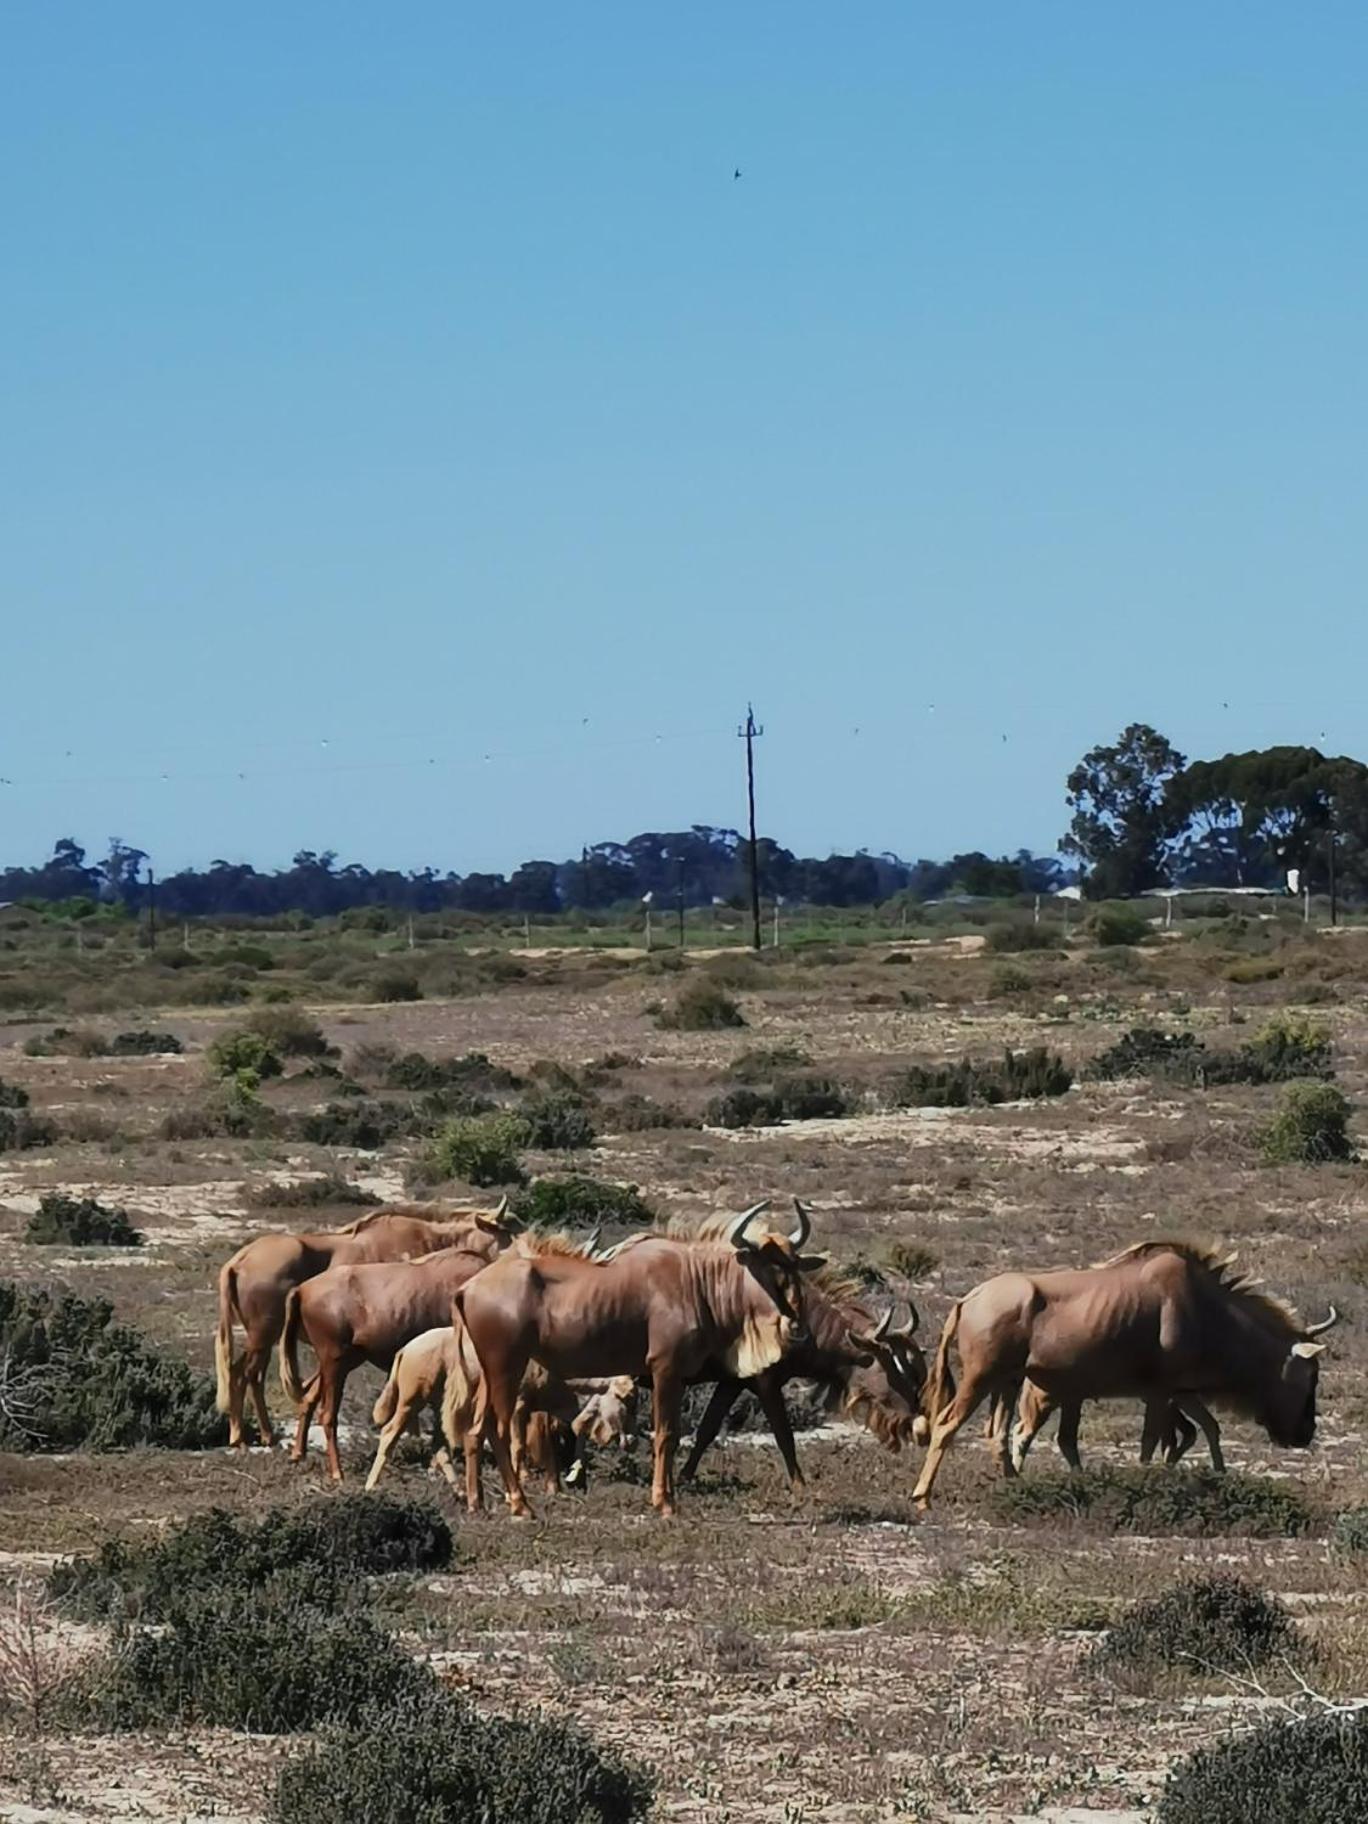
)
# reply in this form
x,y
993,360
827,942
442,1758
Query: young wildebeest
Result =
x,y
660,1307
366,1314
440,1370
871,1372
1167,1426
1163,1320
255,1283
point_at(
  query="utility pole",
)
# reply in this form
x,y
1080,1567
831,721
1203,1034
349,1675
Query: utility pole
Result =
x,y
151,908
1334,895
679,900
749,734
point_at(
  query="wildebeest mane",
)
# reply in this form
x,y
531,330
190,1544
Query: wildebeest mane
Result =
x,y
534,1245
1276,1312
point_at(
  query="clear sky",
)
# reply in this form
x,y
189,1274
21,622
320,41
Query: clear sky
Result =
x,y
388,387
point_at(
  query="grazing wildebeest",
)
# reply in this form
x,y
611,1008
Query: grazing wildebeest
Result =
x,y
871,1372
1160,1321
361,1314
661,1307
255,1283
440,1370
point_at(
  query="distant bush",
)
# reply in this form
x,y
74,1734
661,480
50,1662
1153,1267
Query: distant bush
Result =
x,y
367,1126
231,1110
21,1129
397,985
763,1063
290,1033
1018,1076
75,1380
1246,973
574,1202
481,1149
1020,934
1113,926
1311,1127
557,1120
67,1042
1289,1046
701,1006
81,1222
789,1099
1214,1624
473,1072
437,1761
1198,1503
911,1259
349,1536
1315,1772
242,1051
1008,979
309,1193
12,1096
642,1114
1351,1528
1146,1052
141,1043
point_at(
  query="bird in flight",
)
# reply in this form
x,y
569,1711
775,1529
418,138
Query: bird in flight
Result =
x,y
736,173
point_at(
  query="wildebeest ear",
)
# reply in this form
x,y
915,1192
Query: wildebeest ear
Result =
x,y
1307,1350
809,1263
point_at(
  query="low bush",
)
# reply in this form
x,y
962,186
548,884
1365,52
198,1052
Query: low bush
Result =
x,y
397,985
21,1130
75,1380
290,1033
1213,1624
789,1099
1315,1772
365,1125
238,1052
1018,1076
557,1120
141,1043
1292,1046
765,1062
1289,1046
12,1095
1012,935
1251,970
642,1114
1114,926
911,1259
701,1005
67,1042
231,1110
308,1194
82,1222
1351,1529
1008,979
1311,1127
474,1072
1146,1052
575,1202
349,1536
1197,1503
481,1149
437,1761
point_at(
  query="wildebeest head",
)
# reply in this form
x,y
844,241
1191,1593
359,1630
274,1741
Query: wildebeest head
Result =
x,y
501,1224
775,1263
1289,1415
888,1392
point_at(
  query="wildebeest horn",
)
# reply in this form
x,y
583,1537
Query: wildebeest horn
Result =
x,y
736,1234
591,1246
502,1210
804,1229
1317,1329
880,1330
913,1319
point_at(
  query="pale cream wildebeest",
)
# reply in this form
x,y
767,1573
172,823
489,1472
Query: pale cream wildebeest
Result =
x,y
254,1285
361,1314
661,1307
1161,1321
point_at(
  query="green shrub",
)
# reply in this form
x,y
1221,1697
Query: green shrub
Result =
x,y
1313,1772
348,1536
144,1044
763,1063
1246,973
1213,1624
21,1130
397,985
290,1033
232,1110
12,1096
1146,1052
473,1072
1008,979
327,1192
1198,1503
1289,1046
1311,1127
1292,1046
574,1202
1351,1529
789,1099
75,1380
1114,926
1018,934
911,1259
67,1042
1020,1076
481,1149
242,1051
557,1120
642,1114
364,1125
701,1005
81,1222
437,1761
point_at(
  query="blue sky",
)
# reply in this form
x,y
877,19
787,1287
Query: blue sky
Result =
x,y
385,389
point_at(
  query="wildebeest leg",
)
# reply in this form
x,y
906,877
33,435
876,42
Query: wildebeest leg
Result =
x,y
1033,1409
306,1413
330,1399
771,1397
724,1396
394,1429
961,1409
1069,1415
1211,1431
499,1400
255,1362
666,1395
441,1456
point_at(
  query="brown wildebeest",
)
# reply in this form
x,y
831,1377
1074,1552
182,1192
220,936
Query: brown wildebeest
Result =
x,y
660,1307
361,1314
254,1284
872,1373
440,1370
1162,1320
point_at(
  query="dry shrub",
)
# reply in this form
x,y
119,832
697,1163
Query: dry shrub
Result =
x,y
1212,1624
701,1006
1196,1503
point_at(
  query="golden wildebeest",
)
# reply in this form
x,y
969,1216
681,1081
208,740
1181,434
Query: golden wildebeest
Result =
x,y
660,1307
873,1373
255,1283
361,1314
1160,1321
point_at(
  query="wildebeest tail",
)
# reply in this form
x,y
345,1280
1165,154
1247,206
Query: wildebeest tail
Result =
x,y
940,1384
389,1395
289,1352
223,1336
